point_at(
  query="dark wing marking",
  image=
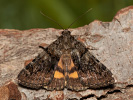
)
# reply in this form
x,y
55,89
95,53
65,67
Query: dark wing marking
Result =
x,y
73,81
58,82
37,73
93,73
75,84
72,78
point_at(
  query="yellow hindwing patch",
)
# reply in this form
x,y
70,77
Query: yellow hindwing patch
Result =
x,y
60,63
73,75
58,74
72,65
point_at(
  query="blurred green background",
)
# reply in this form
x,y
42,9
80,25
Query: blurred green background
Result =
x,y
25,14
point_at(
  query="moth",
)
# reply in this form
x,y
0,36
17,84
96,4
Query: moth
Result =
x,y
65,63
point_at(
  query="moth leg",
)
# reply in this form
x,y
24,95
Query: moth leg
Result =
x,y
42,48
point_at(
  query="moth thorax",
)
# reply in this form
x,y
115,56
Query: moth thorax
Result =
x,y
66,61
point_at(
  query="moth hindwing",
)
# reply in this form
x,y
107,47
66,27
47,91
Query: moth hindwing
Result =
x,y
66,63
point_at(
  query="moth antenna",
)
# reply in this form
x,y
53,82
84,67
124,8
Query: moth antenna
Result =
x,y
79,17
52,20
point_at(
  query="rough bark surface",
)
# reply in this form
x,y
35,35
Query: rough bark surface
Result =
x,y
114,48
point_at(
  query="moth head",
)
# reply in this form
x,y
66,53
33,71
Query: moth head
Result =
x,y
66,32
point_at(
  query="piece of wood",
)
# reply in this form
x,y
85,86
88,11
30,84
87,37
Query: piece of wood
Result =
x,y
114,48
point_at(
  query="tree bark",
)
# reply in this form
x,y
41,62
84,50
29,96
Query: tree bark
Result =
x,y
114,48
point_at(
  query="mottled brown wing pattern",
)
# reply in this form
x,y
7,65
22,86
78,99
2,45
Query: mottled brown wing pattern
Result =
x,y
73,82
37,73
93,73
65,63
